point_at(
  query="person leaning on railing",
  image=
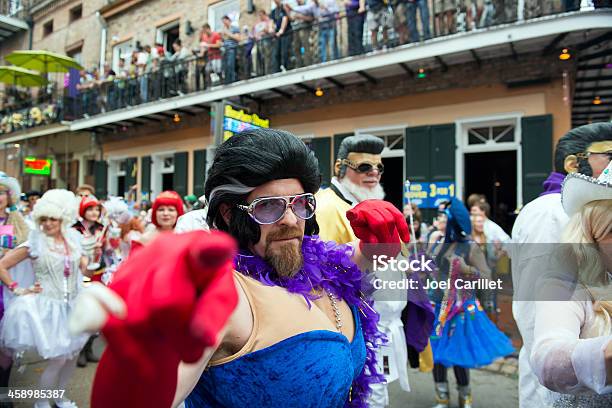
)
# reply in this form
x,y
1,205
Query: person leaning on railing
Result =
x,y
303,28
325,13
283,37
231,38
210,55
262,33
379,16
423,7
356,14
181,53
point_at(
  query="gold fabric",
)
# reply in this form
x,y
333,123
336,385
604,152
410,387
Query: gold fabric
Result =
x,y
426,359
331,217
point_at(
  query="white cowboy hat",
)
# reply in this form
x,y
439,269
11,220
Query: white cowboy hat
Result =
x,y
12,185
579,190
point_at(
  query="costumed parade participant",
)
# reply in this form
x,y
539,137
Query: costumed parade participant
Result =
x,y
357,178
586,150
463,335
13,232
165,212
31,197
93,241
85,190
93,235
194,219
303,333
572,348
358,170
124,229
478,206
37,319
413,216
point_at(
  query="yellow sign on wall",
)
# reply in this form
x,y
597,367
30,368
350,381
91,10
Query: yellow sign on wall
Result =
x,y
236,121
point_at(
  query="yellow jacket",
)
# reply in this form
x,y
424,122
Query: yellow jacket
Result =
x,y
331,217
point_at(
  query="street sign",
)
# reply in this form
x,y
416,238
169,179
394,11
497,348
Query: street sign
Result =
x,y
429,194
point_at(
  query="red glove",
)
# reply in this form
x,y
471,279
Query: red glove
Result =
x,y
179,291
378,222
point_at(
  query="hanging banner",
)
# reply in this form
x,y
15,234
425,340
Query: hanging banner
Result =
x,y
429,195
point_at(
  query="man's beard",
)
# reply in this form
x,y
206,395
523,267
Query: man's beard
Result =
x,y
363,193
288,259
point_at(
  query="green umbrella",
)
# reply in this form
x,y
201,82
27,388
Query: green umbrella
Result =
x,y
20,77
43,61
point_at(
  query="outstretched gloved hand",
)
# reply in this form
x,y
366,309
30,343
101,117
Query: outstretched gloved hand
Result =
x,y
379,226
179,293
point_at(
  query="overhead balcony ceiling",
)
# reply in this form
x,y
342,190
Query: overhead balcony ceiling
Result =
x,y
9,26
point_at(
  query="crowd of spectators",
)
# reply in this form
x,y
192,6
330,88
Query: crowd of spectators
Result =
x,y
291,36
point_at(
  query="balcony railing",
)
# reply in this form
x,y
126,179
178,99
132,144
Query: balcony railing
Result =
x,y
305,45
19,112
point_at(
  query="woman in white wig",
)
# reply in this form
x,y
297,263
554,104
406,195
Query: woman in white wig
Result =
x,y
13,231
572,352
37,319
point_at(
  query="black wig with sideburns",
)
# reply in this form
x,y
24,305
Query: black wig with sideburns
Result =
x,y
358,144
577,141
248,160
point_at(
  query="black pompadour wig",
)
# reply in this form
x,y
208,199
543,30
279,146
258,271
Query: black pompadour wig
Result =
x,y
577,141
248,160
359,144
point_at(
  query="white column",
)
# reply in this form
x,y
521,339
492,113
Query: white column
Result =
x,y
586,5
520,10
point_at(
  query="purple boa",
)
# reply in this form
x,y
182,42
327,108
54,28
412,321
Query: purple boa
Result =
x,y
328,266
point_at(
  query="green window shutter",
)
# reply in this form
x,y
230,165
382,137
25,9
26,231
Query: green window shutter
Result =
x,y
321,146
199,171
536,148
145,180
442,153
101,179
131,173
337,140
430,156
417,154
180,173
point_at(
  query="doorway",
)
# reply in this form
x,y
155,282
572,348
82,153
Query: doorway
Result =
x,y
494,174
167,182
392,180
167,34
121,186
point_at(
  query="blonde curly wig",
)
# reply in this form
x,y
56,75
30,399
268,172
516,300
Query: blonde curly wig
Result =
x,y
57,203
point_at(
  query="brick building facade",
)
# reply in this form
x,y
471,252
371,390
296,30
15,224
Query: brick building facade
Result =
x,y
69,27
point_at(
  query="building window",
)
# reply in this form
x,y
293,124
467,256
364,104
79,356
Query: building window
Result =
x,y
122,50
76,13
167,34
168,164
47,28
77,54
490,135
89,167
230,8
15,6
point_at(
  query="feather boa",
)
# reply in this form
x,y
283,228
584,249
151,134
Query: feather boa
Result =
x,y
328,266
